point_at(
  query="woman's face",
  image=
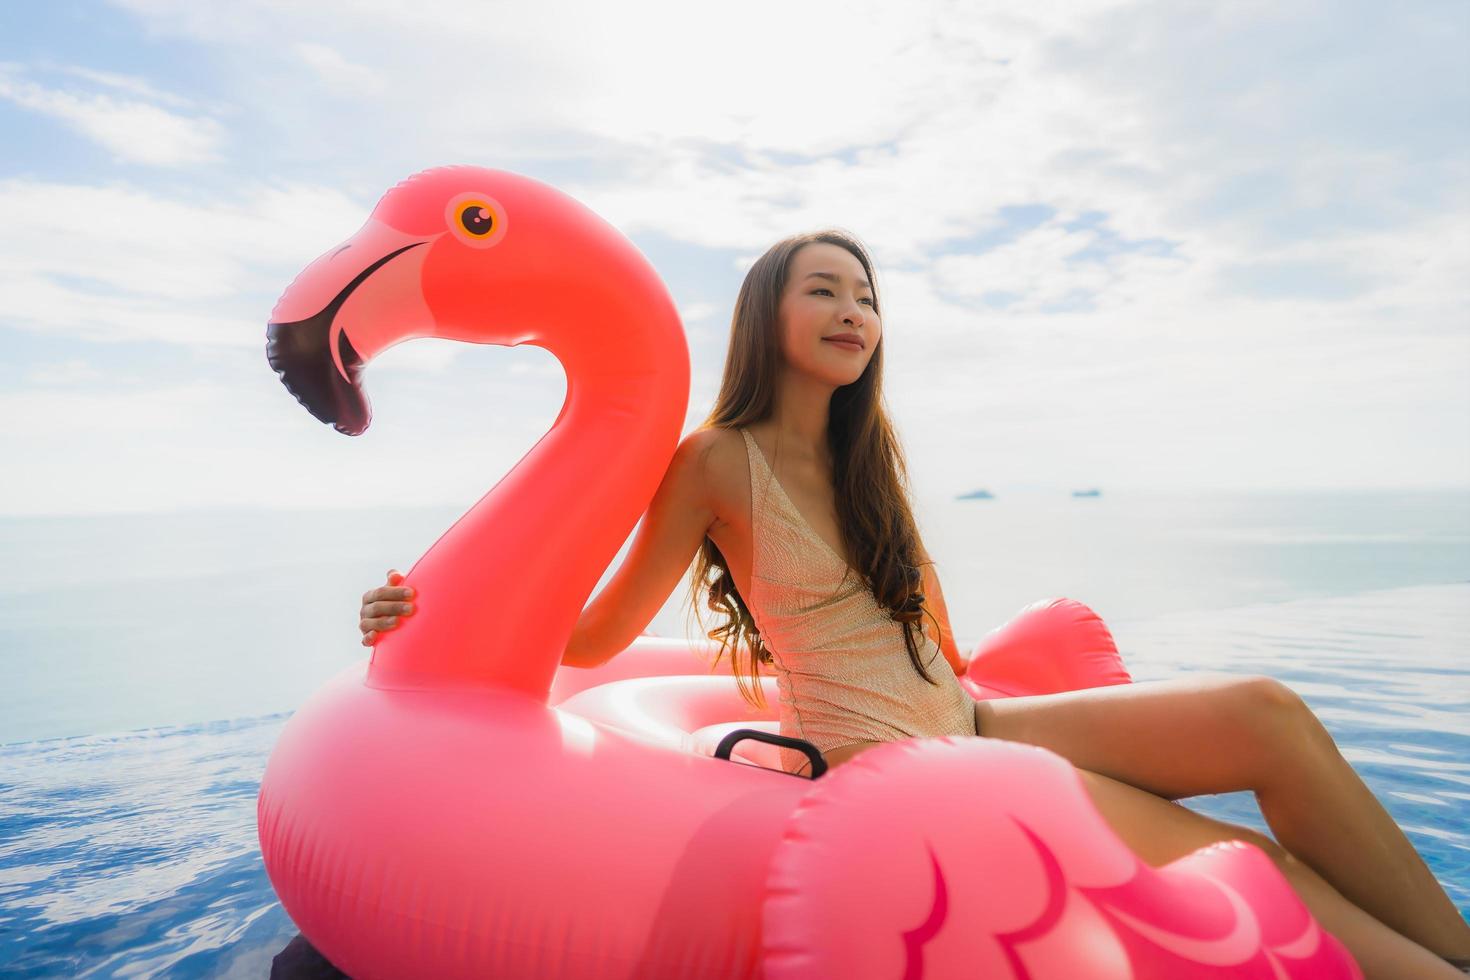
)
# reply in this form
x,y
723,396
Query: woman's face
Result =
x,y
828,294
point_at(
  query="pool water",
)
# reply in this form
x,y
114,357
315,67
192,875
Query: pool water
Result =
x,y
135,854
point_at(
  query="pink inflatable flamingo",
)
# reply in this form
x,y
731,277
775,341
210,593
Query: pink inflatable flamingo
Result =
x,y
457,807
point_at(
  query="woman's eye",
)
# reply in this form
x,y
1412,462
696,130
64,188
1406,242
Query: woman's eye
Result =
x,y
824,289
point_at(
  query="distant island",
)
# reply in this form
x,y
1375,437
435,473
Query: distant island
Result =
x,y
1092,492
976,495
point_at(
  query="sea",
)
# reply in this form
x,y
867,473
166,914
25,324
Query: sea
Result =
x,y
148,662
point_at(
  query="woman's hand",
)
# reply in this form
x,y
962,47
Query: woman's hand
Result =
x,y
382,606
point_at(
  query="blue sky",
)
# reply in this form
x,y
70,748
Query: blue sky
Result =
x,y
1125,245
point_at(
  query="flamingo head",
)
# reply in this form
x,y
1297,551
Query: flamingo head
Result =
x,y
465,253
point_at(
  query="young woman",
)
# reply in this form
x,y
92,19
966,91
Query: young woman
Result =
x,y
790,501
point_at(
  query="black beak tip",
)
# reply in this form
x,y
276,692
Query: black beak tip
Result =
x,y
299,353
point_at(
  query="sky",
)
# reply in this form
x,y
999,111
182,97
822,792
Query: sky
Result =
x,y
1142,247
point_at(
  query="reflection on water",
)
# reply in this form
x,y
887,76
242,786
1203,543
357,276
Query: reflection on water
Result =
x,y
136,854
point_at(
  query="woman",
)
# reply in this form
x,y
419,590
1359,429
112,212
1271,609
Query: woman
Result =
x,y
792,495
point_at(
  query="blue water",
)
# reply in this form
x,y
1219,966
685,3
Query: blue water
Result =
x,y
127,807
135,855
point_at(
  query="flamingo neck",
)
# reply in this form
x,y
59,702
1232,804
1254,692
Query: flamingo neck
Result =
x,y
498,595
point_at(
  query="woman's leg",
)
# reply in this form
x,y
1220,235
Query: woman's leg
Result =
x,y
1222,733
1160,831
842,753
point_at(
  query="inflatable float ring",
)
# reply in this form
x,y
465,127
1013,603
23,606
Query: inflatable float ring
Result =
x,y
461,806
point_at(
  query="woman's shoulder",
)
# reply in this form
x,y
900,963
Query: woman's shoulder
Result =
x,y
714,445
722,458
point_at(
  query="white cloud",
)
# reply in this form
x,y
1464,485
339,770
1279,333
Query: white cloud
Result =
x,y
1037,271
429,355
695,313
338,73
134,131
131,84
224,432
114,262
66,373
116,412
1244,266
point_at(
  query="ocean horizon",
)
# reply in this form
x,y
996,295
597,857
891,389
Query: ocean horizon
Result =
x,y
110,623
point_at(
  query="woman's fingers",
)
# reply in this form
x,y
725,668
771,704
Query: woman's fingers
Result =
x,y
383,615
381,607
375,609
386,593
384,602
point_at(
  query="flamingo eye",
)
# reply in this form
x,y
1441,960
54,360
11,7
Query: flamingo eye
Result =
x,y
477,219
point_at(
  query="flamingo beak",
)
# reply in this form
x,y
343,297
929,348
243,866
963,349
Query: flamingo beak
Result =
x,y
339,313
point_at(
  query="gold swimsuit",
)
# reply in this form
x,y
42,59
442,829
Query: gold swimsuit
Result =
x,y
842,669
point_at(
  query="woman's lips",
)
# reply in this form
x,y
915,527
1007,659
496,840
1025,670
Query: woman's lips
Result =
x,y
844,344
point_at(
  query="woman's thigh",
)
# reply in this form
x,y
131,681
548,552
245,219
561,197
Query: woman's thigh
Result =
x,y
840,754
1175,738
1159,830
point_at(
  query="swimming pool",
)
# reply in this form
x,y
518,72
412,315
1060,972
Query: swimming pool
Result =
x,y
135,854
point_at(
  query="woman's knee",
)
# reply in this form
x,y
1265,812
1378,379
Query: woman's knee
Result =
x,y
1270,708
1266,693
1257,710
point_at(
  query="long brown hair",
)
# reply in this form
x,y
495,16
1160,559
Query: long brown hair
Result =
x,y
870,475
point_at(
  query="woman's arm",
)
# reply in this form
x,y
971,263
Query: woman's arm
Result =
x,y
668,536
